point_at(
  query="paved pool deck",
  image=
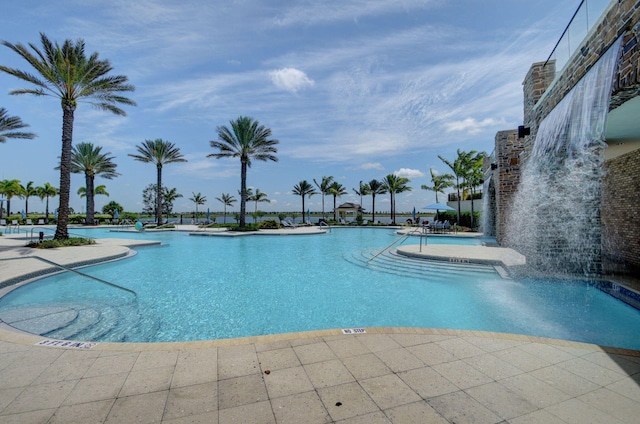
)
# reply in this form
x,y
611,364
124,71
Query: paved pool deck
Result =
x,y
370,375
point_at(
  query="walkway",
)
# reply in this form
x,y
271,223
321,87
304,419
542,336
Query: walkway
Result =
x,y
384,375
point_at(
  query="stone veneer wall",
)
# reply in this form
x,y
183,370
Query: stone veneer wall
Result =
x,y
621,214
506,176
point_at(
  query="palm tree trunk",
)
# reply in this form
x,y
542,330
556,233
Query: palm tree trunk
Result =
x,y
47,211
303,209
373,209
62,232
159,196
89,183
243,193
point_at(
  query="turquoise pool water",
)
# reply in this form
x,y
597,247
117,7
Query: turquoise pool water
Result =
x,y
195,288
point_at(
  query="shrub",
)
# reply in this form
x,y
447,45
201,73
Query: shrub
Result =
x,y
269,224
50,244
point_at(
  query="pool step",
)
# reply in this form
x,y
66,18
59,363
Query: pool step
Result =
x,y
392,263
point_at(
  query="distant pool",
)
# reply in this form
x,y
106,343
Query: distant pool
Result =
x,y
196,288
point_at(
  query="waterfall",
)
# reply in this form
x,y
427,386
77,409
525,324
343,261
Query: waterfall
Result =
x,y
554,219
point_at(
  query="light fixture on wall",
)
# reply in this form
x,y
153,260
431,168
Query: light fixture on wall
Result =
x,y
522,131
494,166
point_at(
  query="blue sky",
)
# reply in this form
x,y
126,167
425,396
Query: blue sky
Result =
x,y
351,89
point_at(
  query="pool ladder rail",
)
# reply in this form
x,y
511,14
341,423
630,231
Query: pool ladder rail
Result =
x,y
420,231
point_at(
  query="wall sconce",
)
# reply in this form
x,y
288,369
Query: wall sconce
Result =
x,y
522,131
494,166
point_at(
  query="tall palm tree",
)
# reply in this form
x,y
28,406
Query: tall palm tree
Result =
x,y
10,188
100,190
28,191
440,183
336,190
45,192
458,167
362,190
160,153
247,140
323,186
302,189
473,178
9,126
198,199
258,197
65,72
395,184
227,200
89,160
375,187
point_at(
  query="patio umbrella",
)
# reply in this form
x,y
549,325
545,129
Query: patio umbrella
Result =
x,y
116,215
439,207
208,214
414,214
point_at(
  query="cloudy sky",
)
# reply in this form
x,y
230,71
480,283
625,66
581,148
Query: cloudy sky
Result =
x,y
354,89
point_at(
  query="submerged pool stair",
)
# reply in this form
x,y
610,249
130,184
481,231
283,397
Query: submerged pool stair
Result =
x,y
391,262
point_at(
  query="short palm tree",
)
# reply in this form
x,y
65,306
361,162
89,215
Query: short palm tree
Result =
x,y
440,183
160,153
168,197
393,185
459,169
45,192
258,197
28,190
89,160
247,140
66,73
10,188
375,187
302,189
9,126
323,186
198,199
336,190
362,190
227,200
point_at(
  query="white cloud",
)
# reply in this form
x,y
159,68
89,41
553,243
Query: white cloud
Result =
x,y
408,173
371,165
472,126
290,79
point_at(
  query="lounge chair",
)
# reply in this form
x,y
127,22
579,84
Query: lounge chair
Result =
x,y
29,222
14,222
3,222
41,221
365,222
288,224
342,221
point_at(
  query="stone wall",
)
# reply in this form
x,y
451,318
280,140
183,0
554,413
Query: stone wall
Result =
x,y
506,176
621,214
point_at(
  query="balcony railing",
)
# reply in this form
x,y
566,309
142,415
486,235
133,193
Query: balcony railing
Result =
x,y
584,18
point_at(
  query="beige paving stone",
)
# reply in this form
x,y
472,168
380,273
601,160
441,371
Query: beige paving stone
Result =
x,y
427,383
239,391
328,373
206,418
345,347
563,380
521,359
198,358
609,402
90,412
365,366
66,369
617,363
389,391
576,411
378,342
346,401
192,401
462,374
143,409
501,400
156,359
286,382
460,348
31,417
113,364
21,376
259,412
373,418
492,366
278,359
537,392
399,359
237,361
41,396
304,408
407,340
628,387
96,388
8,395
266,346
590,371
490,344
315,352
548,353
147,381
538,417
413,413
460,408
431,353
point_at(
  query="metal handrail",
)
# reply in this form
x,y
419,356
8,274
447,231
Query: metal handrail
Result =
x,y
325,223
66,268
404,236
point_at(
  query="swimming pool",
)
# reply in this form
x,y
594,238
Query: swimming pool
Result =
x,y
196,288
